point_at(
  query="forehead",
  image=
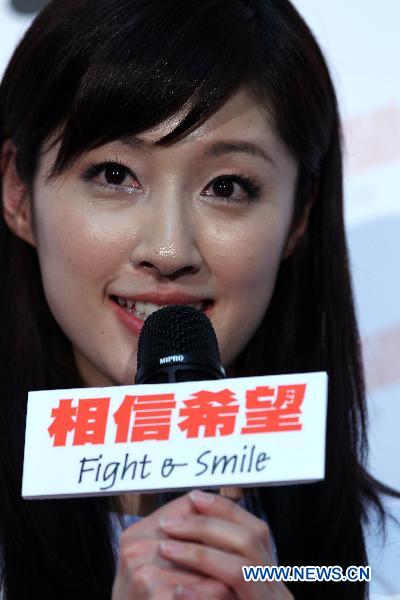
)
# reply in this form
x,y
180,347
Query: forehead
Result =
x,y
241,124
240,114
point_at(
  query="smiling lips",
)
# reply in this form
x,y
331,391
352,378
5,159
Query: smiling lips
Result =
x,y
143,307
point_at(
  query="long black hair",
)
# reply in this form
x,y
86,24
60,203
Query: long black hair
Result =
x,y
96,70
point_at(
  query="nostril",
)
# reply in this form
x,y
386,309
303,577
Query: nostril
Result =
x,y
147,265
183,271
167,271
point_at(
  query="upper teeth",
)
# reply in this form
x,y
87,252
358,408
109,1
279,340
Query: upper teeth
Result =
x,y
145,309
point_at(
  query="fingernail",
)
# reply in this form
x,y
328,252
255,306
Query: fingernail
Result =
x,y
170,522
171,548
200,497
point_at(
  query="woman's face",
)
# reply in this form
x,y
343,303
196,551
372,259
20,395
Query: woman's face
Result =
x,y
206,219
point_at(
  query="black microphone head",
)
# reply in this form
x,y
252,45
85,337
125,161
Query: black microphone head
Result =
x,y
176,337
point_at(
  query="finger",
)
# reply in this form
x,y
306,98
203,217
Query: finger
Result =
x,y
206,588
148,580
214,563
187,593
135,553
151,581
220,507
224,567
148,527
220,534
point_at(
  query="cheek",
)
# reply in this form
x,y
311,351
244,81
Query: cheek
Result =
x,y
245,268
77,259
73,243
247,264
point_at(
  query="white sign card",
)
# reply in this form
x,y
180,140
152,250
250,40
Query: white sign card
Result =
x,y
249,431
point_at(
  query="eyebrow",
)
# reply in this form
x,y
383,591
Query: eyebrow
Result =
x,y
215,149
236,147
135,143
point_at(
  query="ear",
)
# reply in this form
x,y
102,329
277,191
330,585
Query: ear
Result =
x,y
17,206
300,226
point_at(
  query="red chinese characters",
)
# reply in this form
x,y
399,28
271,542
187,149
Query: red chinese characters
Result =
x,y
88,421
211,413
205,414
271,409
152,418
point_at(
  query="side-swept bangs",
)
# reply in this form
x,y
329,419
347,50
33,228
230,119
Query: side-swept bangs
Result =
x,y
100,70
117,68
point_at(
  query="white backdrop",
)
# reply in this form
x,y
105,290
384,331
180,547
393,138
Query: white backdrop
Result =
x,y
360,39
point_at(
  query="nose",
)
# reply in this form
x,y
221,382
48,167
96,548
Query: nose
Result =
x,y
167,244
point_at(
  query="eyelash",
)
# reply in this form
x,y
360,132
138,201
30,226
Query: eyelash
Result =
x,y
251,187
96,168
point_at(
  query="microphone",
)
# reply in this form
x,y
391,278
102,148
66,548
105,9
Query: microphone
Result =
x,y
178,343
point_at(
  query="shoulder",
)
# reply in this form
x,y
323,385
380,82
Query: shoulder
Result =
x,y
383,550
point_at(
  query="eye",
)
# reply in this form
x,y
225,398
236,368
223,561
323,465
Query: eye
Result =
x,y
112,175
115,174
233,188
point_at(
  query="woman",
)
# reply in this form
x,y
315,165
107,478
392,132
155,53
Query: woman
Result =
x,y
158,152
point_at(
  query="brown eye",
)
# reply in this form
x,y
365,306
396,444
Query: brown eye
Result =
x,y
224,188
112,176
233,188
115,174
